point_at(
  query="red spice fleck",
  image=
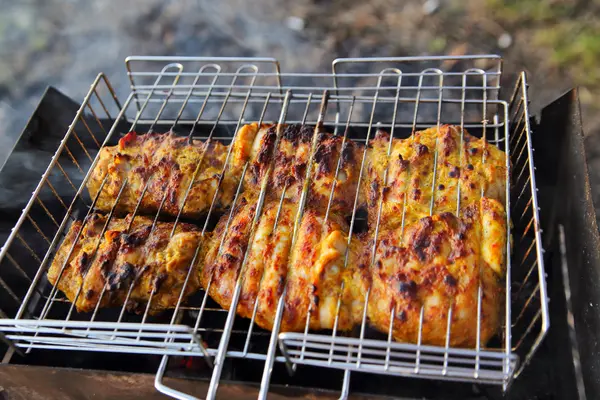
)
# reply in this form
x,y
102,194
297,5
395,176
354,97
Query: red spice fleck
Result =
x,y
126,140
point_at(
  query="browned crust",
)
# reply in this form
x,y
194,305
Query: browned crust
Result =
x,y
167,164
149,259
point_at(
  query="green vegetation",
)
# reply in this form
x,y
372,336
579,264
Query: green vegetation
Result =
x,y
568,30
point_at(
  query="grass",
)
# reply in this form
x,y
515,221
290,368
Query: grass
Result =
x,y
568,30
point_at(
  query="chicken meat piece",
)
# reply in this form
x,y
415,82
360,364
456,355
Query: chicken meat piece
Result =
x,y
100,271
289,162
466,169
167,164
311,270
439,263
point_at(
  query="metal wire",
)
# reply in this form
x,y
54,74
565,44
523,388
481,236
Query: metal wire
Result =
x,y
225,93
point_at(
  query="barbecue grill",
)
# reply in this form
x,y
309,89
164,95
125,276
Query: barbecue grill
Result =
x,y
210,99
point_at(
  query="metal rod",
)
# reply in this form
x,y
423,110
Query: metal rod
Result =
x,y
179,69
448,329
479,288
266,377
377,226
435,153
214,382
89,106
462,139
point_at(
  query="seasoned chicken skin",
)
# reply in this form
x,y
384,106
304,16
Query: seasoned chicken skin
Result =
x,y
150,260
442,235
311,270
167,164
438,264
464,170
289,162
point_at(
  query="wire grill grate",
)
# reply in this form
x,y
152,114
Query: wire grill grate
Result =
x,y
209,99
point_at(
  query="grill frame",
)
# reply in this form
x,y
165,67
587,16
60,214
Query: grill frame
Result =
x,y
183,332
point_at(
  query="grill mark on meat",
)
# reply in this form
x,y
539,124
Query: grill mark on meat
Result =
x,y
323,150
119,278
416,194
291,132
408,289
450,281
421,239
403,163
135,239
174,185
447,216
348,152
82,263
298,133
266,150
291,308
421,149
254,172
280,285
299,171
401,316
230,258
448,143
374,192
306,133
454,172
315,296
159,280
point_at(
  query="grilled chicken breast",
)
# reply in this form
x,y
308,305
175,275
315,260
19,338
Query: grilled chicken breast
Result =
x,y
310,271
467,168
166,165
442,235
439,263
335,166
130,254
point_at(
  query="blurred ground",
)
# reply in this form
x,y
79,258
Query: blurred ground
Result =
x,y
65,43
